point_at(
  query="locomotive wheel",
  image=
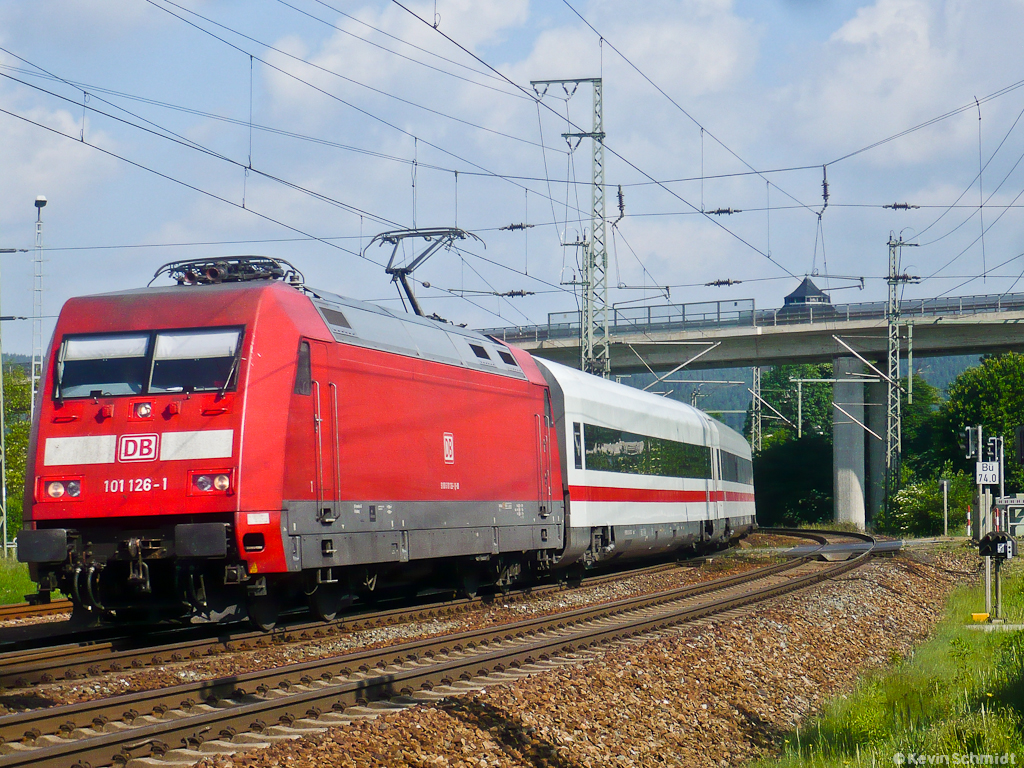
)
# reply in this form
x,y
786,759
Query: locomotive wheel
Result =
x,y
263,611
328,601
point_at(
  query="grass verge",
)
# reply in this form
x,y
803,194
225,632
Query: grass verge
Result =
x,y
14,581
959,694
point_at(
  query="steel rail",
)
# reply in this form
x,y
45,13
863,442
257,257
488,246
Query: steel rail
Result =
x,y
556,636
90,658
66,719
31,610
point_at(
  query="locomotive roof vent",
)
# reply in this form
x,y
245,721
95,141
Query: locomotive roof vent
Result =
x,y
232,269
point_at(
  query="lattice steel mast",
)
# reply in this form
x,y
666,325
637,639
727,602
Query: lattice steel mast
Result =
x,y
893,420
755,410
595,352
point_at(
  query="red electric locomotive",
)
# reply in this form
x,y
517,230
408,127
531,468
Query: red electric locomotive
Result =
x,y
221,447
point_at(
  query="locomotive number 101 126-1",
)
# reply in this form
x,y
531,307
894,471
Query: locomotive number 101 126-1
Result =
x,y
135,484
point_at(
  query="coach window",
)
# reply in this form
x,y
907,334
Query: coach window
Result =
x,y
304,374
194,360
736,469
99,366
577,442
614,450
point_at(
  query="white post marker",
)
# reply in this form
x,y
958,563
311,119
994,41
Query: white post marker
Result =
x,y
945,506
987,472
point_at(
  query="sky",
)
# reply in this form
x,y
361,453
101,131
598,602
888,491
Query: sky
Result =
x,y
299,129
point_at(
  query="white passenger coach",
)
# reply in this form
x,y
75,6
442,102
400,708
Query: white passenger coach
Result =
x,y
643,473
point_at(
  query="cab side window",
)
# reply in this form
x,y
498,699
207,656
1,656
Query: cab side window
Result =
x,y
304,374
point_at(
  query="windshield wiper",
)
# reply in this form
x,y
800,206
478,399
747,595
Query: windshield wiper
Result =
x,y
231,372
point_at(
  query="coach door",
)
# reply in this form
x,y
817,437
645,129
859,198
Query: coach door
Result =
x,y
543,465
719,494
325,435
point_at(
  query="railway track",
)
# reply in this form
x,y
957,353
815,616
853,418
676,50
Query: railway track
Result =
x,y
191,721
94,654
28,610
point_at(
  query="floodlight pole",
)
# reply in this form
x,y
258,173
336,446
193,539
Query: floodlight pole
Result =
x,y
37,305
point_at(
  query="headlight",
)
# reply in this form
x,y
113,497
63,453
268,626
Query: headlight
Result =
x,y
221,482
203,482
143,410
55,490
74,488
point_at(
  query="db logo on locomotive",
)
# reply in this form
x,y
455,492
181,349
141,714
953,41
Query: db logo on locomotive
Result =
x,y
138,447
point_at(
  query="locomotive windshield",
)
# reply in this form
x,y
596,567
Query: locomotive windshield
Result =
x,y
107,365
197,360
193,361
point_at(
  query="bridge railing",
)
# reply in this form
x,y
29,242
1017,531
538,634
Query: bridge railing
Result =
x,y
743,313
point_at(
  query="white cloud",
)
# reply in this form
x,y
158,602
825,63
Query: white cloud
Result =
x,y
898,63
40,162
85,24
689,49
366,58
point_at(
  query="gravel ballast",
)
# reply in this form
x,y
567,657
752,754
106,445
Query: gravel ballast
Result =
x,y
721,691
273,656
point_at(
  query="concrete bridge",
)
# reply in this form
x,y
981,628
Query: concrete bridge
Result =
x,y
734,334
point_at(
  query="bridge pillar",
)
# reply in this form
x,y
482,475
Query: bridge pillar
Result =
x,y
876,448
848,443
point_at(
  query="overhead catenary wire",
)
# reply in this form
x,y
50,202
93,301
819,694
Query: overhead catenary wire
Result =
x,y
187,185
609,149
574,182
977,178
325,70
173,137
188,143
975,240
367,25
326,93
553,288
195,145
196,188
932,121
604,41
396,53
95,89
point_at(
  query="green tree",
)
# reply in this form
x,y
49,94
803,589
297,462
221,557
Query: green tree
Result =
x,y
918,507
793,481
992,395
922,423
780,392
17,407
793,477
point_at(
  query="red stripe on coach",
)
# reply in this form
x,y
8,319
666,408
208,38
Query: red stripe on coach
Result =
x,y
594,493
